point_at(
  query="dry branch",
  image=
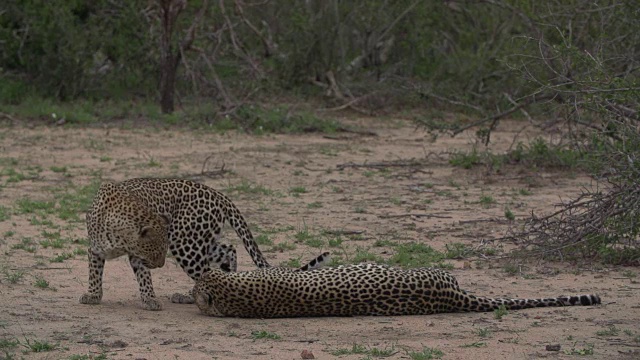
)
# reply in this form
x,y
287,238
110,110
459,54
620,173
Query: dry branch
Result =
x,y
595,220
212,173
393,216
493,118
381,165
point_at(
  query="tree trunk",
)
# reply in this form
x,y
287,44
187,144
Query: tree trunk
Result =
x,y
169,11
169,69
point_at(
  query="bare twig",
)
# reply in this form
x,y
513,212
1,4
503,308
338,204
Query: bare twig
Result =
x,y
378,165
526,102
452,101
344,232
212,173
392,216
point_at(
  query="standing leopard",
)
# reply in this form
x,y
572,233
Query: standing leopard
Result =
x,y
350,290
143,218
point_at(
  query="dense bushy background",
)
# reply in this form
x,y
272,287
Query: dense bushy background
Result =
x,y
573,64
476,52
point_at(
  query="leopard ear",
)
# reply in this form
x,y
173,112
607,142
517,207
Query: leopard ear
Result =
x,y
202,298
144,231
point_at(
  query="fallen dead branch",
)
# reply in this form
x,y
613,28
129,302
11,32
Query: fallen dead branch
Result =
x,y
494,118
381,165
344,232
212,173
475,221
600,222
392,216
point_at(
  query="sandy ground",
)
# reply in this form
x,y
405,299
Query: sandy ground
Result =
x,y
286,185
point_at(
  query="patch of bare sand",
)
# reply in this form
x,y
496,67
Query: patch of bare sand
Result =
x,y
284,185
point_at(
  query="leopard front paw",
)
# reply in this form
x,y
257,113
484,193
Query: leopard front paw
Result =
x,y
91,299
178,298
152,304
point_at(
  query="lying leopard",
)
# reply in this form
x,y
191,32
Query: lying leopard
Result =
x,y
350,290
143,218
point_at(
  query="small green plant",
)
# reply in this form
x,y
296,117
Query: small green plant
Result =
x,y
458,251
88,357
297,190
444,193
610,331
384,243
284,246
417,255
511,269
293,263
508,214
489,251
454,184
588,350
41,283
281,119
58,169
487,200
153,163
476,344
14,277
524,192
308,238
263,239
28,206
484,332
328,151
5,213
629,274
55,243
39,346
314,205
335,242
375,352
26,244
8,343
465,160
262,334
355,349
61,257
362,255
336,261
426,354
359,210
13,176
9,233
500,312
74,201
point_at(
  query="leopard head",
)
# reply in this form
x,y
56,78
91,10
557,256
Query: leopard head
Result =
x,y
203,294
152,241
